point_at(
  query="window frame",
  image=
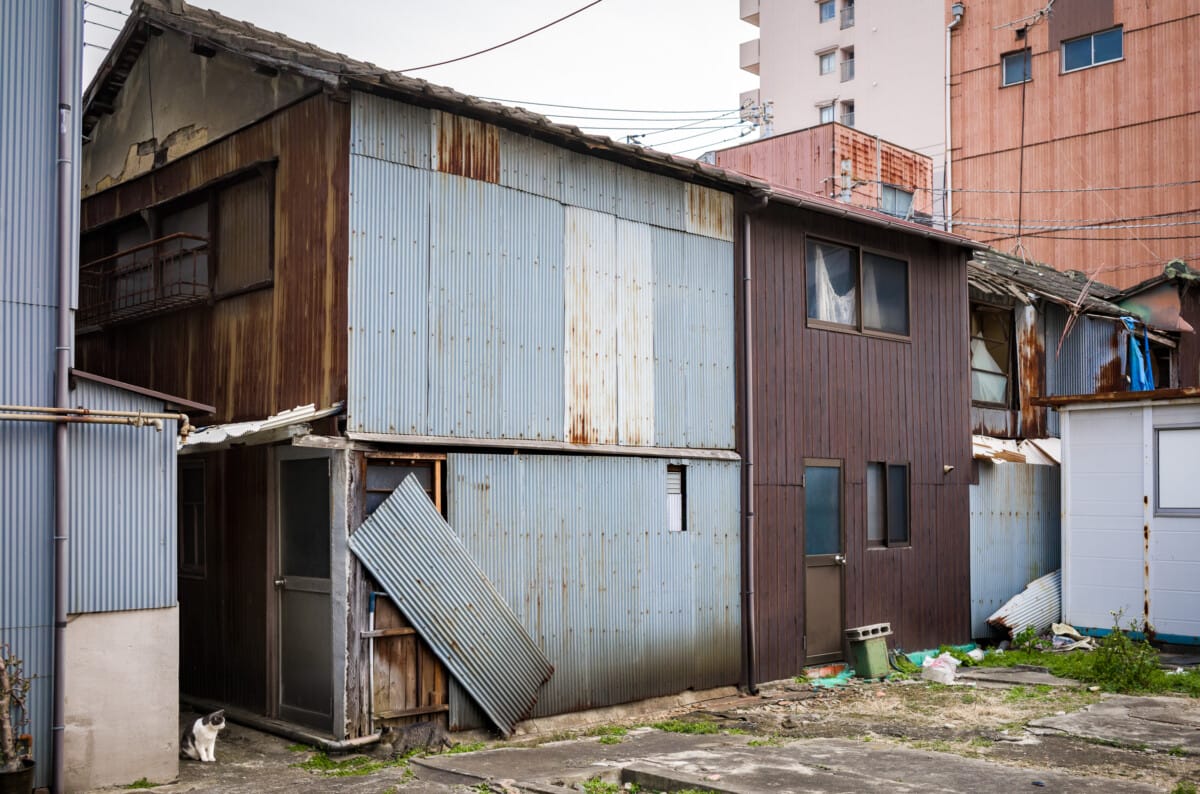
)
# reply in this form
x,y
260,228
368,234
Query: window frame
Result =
x,y
826,4
198,568
1028,53
434,461
1010,354
859,329
1159,510
1091,38
830,57
683,499
821,109
887,542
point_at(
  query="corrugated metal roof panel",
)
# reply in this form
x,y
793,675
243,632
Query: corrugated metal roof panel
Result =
x,y
1038,605
624,608
123,524
425,569
1015,537
530,165
495,312
388,297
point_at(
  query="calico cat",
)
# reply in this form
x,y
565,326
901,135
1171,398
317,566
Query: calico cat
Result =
x,y
425,736
200,739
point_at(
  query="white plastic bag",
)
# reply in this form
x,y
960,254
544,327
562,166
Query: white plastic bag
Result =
x,y
940,669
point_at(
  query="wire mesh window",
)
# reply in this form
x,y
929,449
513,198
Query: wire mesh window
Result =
x,y
192,519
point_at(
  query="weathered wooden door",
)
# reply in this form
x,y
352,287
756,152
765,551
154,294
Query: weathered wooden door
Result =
x,y
305,692
824,561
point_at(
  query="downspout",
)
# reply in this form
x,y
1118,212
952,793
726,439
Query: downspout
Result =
x,y
947,175
749,623
68,47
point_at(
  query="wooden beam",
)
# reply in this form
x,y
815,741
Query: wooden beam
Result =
x,y
394,632
391,715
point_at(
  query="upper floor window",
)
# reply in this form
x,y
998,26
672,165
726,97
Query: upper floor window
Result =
x,y
847,64
827,62
1092,50
826,10
896,201
991,355
826,113
848,14
1016,67
861,290
848,113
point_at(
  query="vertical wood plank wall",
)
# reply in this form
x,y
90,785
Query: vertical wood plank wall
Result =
x,y
826,394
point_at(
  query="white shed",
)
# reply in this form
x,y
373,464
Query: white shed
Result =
x,y
1131,511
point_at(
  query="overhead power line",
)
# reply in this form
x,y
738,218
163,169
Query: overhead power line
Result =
x,y
506,43
711,144
100,25
723,111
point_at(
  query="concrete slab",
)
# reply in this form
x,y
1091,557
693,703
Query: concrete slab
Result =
x,y
1161,723
1017,675
724,763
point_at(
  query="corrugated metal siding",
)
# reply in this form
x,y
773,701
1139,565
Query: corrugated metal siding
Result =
x,y
693,341
580,550
495,312
650,198
123,508
530,165
589,182
635,333
591,321
1092,358
1015,537
388,297
424,567
391,131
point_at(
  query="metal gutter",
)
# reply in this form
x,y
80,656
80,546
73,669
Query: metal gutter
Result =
x,y
69,12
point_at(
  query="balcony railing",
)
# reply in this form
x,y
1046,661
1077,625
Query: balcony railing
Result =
x,y
847,69
159,276
847,17
848,119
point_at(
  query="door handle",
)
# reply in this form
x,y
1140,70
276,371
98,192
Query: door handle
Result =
x,y
840,559
280,582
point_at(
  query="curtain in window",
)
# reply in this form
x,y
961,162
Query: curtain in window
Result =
x,y
989,381
830,265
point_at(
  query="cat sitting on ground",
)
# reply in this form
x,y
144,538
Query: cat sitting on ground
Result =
x,y
200,739
426,736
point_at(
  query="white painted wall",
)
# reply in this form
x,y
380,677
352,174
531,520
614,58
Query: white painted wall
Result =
x,y
122,698
1118,551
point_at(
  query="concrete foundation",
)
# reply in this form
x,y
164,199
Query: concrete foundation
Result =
x,y
122,693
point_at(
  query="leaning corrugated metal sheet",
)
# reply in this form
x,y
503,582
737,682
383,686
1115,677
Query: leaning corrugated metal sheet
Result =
x,y
1038,605
1015,537
422,565
579,547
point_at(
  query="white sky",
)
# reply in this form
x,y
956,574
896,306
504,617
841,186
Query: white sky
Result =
x,y
676,55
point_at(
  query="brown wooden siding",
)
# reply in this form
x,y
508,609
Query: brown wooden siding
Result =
x,y
1126,123
260,352
223,647
825,394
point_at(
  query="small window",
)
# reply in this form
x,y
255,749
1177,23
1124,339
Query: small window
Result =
x,y
385,472
826,114
826,10
192,531
991,355
1104,47
887,504
828,62
895,201
1176,459
862,290
677,498
1016,67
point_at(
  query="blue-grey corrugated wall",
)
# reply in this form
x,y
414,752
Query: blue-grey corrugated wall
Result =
x,y
1015,520
580,550
29,34
462,299
1091,345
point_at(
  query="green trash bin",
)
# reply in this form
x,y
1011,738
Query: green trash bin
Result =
x,y
868,649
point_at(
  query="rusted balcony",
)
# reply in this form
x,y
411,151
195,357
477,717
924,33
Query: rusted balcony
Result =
x,y
158,276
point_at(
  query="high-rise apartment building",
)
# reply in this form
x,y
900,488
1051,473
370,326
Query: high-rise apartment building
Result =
x,y
876,65
1076,132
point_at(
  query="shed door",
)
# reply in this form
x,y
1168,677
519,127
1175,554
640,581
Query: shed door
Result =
x,y
824,561
303,583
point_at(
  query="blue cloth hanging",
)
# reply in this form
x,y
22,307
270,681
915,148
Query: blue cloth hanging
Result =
x,y
1141,377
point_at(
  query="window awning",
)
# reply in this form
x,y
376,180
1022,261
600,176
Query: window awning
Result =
x,y
278,427
422,565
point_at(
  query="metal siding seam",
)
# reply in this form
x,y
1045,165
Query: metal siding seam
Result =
x,y
388,294
622,608
388,130
635,333
428,572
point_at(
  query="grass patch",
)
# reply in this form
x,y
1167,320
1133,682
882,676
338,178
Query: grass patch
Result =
x,y
355,766
142,783
298,748
736,731
682,726
606,730
598,786
464,747
1184,787
610,740
1177,751
775,741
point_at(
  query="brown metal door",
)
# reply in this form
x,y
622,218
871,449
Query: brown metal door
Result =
x,y
824,561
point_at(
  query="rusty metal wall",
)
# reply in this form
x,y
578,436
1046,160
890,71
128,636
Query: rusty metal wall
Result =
x,y
1091,359
503,288
1015,519
579,549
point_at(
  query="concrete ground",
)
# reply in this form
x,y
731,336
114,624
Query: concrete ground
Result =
x,y
1026,734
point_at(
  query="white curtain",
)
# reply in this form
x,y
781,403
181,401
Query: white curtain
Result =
x,y
988,385
831,306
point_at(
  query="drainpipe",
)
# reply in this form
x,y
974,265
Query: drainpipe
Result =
x,y
68,24
748,623
947,202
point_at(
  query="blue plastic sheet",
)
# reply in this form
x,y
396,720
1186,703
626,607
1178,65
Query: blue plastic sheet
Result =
x,y
1141,377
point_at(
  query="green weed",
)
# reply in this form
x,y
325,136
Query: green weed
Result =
x,y
681,726
606,730
598,786
355,766
1177,751
298,748
464,747
1184,787
610,740
775,741
142,783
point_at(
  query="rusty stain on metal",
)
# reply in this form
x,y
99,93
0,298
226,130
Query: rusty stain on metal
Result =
x,y
1111,377
709,212
467,147
1031,368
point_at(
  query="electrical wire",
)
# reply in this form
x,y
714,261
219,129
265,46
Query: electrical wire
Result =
x,y
722,111
505,43
700,134
706,146
106,8
100,25
97,46
693,125
1033,190
1093,228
